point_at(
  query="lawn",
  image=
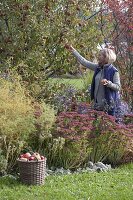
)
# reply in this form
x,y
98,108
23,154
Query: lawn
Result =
x,y
116,184
77,83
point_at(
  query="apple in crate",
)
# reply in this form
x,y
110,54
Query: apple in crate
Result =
x,y
21,156
27,155
42,157
31,158
23,159
36,156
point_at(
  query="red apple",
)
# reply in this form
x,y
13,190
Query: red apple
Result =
x,y
31,158
27,155
21,156
42,157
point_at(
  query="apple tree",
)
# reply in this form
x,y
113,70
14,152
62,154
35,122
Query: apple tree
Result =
x,y
33,34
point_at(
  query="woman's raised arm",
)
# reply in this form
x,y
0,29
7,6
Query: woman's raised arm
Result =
x,y
81,59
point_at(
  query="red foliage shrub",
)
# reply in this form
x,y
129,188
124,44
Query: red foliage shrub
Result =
x,y
107,139
76,126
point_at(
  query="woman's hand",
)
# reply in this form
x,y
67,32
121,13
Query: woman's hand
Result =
x,y
104,82
69,47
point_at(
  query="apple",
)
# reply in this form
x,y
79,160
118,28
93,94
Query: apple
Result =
x,y
37,156
31,158
26,155
34,157
21,156
42,157
24,159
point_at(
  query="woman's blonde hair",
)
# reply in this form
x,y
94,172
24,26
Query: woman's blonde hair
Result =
x,y
109,55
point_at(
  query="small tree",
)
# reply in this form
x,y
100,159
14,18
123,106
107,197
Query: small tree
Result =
x,y
33,34
119,15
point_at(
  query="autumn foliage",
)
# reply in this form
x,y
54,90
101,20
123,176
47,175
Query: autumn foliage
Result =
x,y
120,15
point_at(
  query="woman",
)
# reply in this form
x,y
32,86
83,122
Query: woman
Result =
x,y
105,85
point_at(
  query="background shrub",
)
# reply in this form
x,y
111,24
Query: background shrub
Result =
x,y
45,118
22,121
16,119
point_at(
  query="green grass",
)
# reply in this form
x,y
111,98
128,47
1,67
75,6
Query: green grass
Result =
x,y
77,83
116,184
